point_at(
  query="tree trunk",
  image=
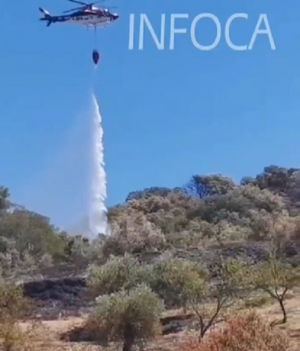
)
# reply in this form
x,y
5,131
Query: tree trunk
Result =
x,y
284,319
129,338
128,343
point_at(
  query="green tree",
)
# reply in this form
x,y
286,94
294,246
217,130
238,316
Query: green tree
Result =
x,y
4,198
118,273
126,317
175,280
32,234
273,277
214,299
204,186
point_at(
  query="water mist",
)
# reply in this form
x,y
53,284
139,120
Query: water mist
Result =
x,y
98,211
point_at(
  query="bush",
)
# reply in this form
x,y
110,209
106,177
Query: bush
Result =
x,y
133,234
13,305
176,280
126,317
118,273
242,332
13,338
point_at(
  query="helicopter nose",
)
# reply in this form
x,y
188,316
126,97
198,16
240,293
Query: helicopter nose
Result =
x,y
114,16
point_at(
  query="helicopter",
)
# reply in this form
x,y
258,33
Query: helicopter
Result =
x,y
86,15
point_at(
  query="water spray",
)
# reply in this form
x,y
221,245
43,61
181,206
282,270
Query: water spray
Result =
x,y
98,211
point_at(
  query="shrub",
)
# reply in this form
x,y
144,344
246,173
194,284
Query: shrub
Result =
x,y
13,305
13,338
242,332
126,317
116,274
133,234
176,280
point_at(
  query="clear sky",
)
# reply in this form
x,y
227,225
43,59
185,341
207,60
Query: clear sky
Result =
x,y
166,114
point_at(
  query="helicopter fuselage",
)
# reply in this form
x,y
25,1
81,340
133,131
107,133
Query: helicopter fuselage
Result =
x,y
91,19
84,18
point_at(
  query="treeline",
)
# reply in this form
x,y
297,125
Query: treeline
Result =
x,y
206,211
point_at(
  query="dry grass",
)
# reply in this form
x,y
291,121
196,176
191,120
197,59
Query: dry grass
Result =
x,y
292,327
47,333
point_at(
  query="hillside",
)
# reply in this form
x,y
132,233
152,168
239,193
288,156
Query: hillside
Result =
x,y
208,221
203,213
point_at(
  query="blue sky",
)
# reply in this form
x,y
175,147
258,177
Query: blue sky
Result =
x,y
166,114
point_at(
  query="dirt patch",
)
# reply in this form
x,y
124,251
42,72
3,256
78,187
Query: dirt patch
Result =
x,y
170,325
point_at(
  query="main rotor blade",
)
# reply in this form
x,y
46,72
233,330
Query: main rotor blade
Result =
x,y
79,2
71,10
85,3
78,8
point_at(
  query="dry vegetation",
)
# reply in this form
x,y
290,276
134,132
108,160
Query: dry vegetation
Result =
x,y
223,256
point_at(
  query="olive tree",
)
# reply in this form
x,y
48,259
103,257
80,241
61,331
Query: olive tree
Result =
x,y
216,297
126,317
175,280
274,277
116,274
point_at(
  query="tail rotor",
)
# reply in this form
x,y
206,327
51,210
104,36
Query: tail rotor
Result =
x,y
47,17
